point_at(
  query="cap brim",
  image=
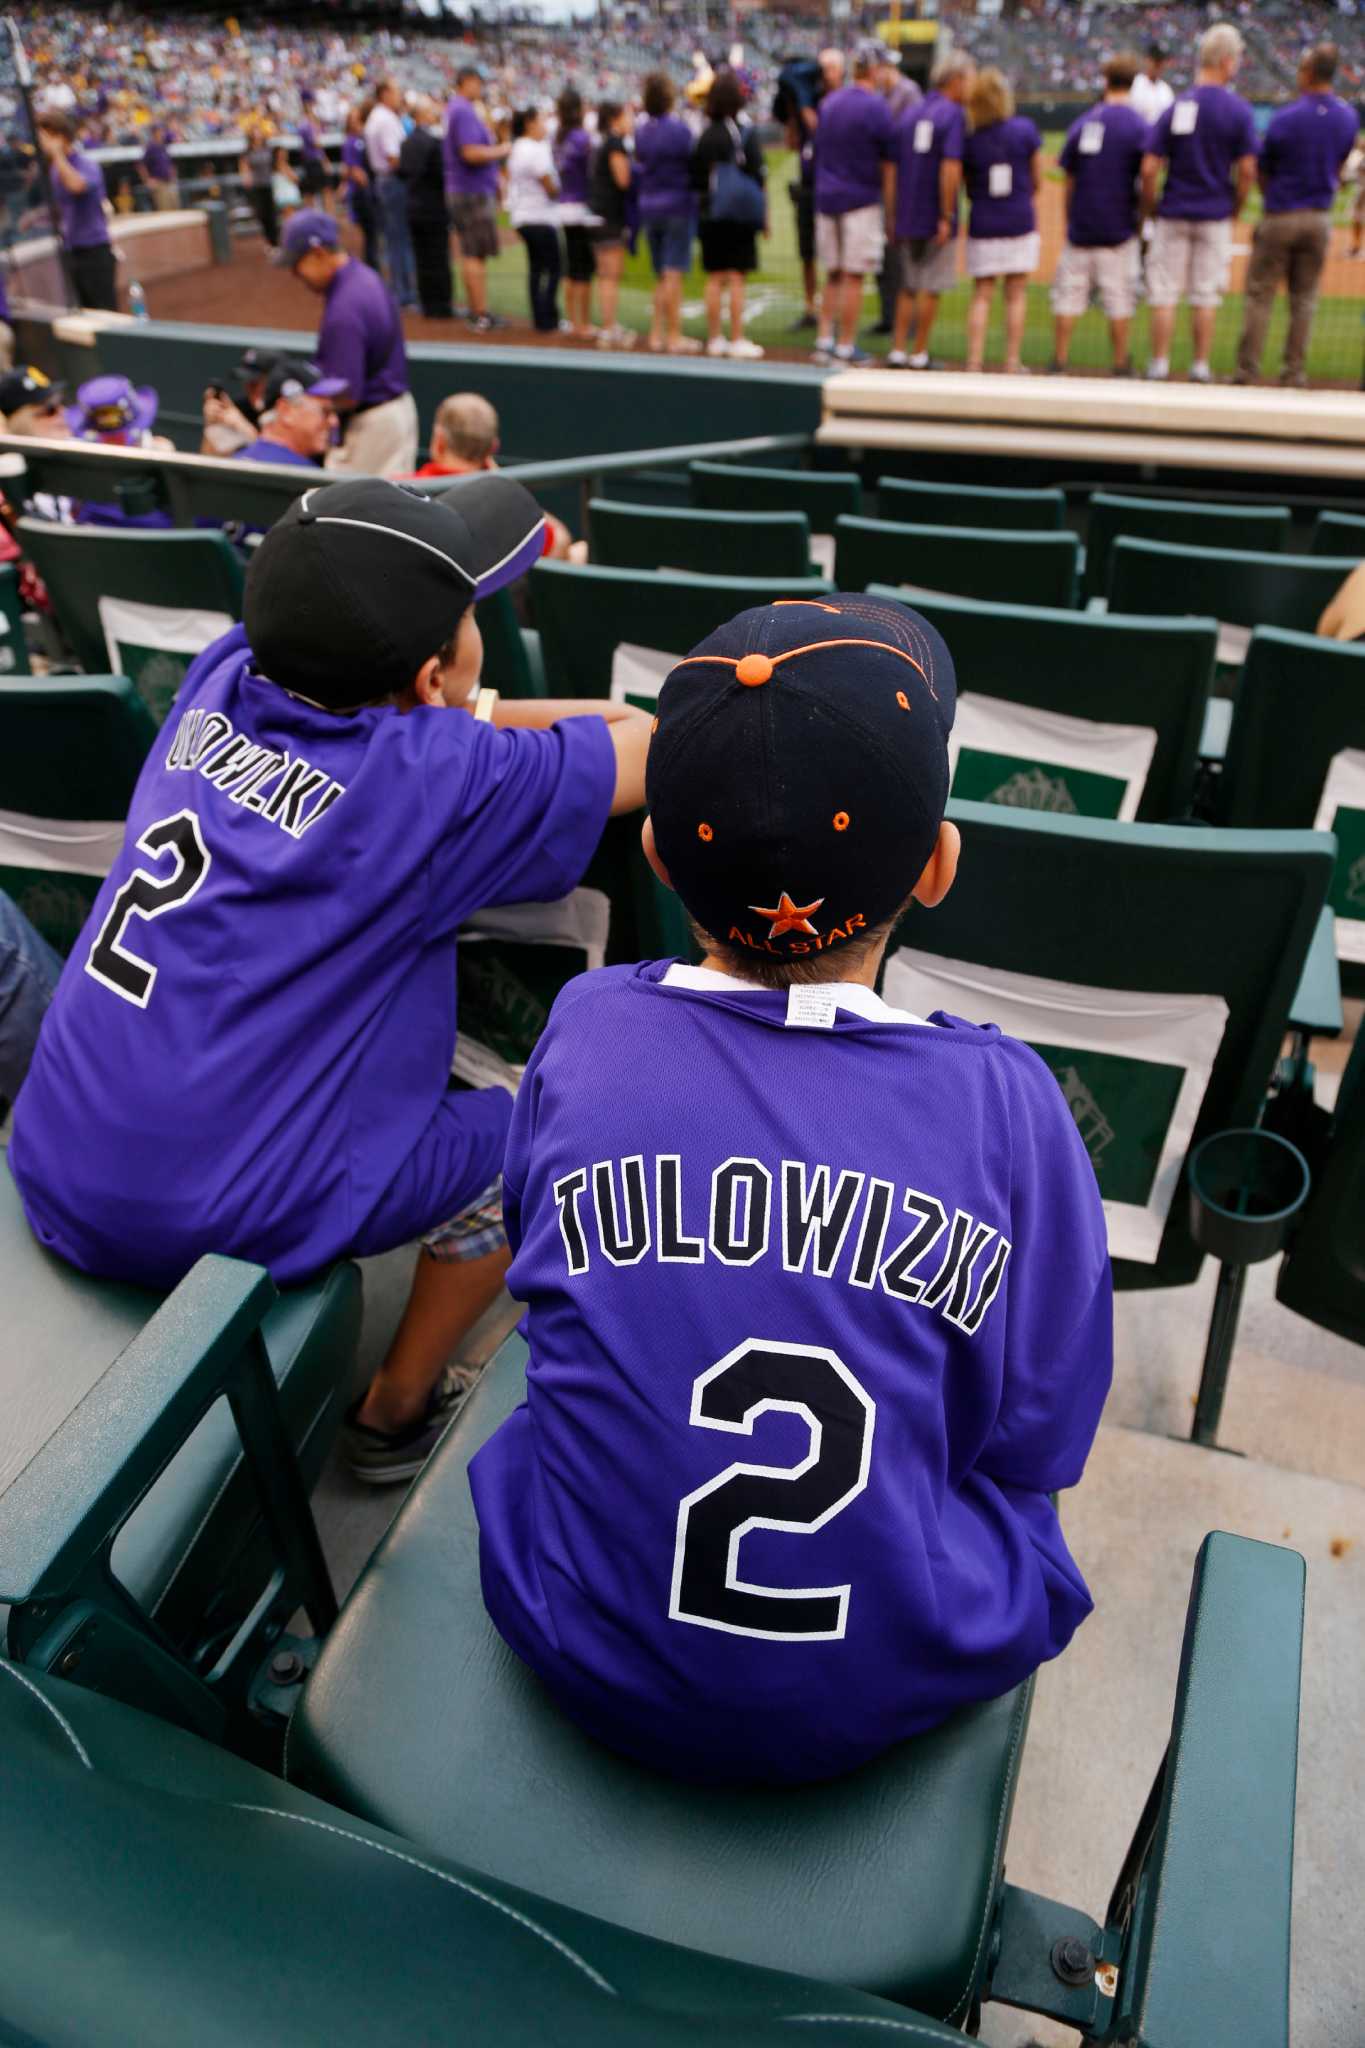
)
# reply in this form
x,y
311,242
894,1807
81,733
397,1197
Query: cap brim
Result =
x,y
505,528
327,387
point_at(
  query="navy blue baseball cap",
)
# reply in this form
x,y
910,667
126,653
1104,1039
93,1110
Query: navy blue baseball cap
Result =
x,y
798,773
310,229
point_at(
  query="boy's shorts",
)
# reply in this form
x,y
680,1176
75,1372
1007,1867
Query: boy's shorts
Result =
x,y
448,1192
472,1234
1112,272
1190,260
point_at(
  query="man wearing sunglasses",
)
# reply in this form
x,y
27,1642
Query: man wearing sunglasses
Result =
x,y
31,404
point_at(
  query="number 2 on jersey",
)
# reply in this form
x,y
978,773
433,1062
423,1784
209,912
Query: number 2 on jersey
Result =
x,y
148,895
757,1377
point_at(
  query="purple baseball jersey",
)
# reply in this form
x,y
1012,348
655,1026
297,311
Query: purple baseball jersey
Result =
x,y
1103,153
854,138
663,168
266,450
250,1045
1202,135
360,336
464,127
1303,150
81,213
818,1318
928,135
996,170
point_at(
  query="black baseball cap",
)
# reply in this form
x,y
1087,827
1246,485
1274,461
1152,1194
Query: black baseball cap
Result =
x,y
27,386
291,378
256,362
798,773
360,583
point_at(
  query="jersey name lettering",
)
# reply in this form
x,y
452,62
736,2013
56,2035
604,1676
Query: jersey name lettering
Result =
x,y
831,1224
285,790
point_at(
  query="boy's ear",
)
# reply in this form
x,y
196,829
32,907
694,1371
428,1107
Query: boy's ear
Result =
x,y
652,852
940,870
426,684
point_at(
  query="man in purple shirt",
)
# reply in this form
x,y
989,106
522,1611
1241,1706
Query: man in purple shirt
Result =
x,y
1207,140
78,189
360,345
928,181
298,416
1302,154
1102,158
855,198
157,172
472,158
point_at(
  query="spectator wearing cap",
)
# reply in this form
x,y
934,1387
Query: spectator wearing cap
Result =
x,y
383,148
855,199
421,166
902,96
1151,95
928,182
472,157
1206,139
1002,169
668,209
1102,159
360,344
32,406
465,437
298,416
78,189
1302,155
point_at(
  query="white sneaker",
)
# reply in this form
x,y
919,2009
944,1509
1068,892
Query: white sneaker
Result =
x,y
1158,370
897,359
718,347
1200,373
920,361
748,351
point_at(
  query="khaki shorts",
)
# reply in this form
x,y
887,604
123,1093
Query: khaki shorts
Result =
x,y
1112,272
853,242
474,217
1191,260
928,266
379,442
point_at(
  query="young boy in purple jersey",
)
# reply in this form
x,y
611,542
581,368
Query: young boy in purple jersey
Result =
x,y
249,1050
1102,158
819,1295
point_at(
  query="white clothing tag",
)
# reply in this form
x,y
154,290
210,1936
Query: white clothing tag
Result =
x,y
1184,116
1001,182
924,137
811,1006
1092,138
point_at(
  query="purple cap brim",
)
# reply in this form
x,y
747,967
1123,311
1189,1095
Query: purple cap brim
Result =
x,y
519,562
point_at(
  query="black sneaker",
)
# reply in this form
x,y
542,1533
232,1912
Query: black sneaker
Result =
x,y
806,320
382,1457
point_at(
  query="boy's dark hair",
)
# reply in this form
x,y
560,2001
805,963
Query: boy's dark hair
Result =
x,y
1121,69
569,108
607,112
725,98
769,971
657,94
55,122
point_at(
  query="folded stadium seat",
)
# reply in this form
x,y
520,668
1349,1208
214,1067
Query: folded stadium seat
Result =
x,y
976,505
1339,534
701,543
1323,1273
1152,966
14,657
512,660
1239,589
609,632
193,1553
137,604
71,751
1074,712
1178,522
961,561
822,494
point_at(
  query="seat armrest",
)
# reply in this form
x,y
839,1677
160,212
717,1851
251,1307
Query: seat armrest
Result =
x,y
1316,1007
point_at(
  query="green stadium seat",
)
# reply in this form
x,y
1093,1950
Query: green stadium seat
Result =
x,y
1002,568
1323,1272
585,614
822,494
1178,951
70,754
1236,587
512,660
1153,675
14,657
700,543
974,505
1339,534
141,604
1178,522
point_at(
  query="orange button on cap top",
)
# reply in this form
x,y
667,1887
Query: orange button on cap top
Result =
x,y
754,669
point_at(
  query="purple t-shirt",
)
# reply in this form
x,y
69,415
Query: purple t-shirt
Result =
x,y
353,155
81,213
463,127
1103,153
663,158
309,150
928,135
1202,134
1302,152
361,336
157,162
264,450
854,138
573,162
247,1067
995,169
805,1364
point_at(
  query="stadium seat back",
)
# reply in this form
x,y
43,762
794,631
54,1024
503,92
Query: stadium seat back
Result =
x,y
71,751
974,505
701,543
1179,523
1003,568
1237,587
1323,1274
14,656
821,494
511,654
1339,534
1082,676
1153,966
140,604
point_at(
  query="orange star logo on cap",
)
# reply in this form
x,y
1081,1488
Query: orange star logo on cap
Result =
x,y
789,916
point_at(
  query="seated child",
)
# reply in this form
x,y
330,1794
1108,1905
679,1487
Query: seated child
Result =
x,y
249,1049
819,1296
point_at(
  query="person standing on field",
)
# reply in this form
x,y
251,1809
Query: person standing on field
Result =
x,y
928,182
855,199
1102,158
1302,155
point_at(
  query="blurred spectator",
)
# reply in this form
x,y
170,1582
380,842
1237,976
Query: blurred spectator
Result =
x,y
855,199
256,168
928,184
902,95
663,172
355,175
465,440
472,158
383,145
1102,159
360,343
608,188
1207,140
78,188
284,186
729,247
802,84
115,411
1302,155
531,189
1151,95
573,163
1344,618
298,419
315,171
421,165
30,405
1002,167
157,171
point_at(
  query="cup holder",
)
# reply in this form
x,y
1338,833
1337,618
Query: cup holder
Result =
x,y
1246,1188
